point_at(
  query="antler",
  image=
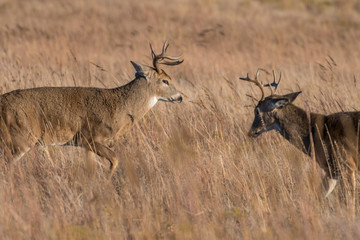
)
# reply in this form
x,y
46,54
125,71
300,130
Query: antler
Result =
x,y
256,81
162,56
273,84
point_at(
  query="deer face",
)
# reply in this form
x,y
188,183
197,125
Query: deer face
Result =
x,y
160,83
165,90
266,111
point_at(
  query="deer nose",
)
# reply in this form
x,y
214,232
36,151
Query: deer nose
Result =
x,y
251,134
176,99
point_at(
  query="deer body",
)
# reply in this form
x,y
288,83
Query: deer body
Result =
x,y
92,118
335,137
74,109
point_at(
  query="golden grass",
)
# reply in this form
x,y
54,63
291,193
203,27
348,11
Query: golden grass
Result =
x,y
187,171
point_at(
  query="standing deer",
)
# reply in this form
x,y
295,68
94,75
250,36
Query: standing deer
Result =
x,y
92,118
333,138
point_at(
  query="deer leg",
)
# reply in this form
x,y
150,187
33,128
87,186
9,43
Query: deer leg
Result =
x,y
349,176
9,157
5,142
330,184
104,152
18,147
352,181
5,156
101,150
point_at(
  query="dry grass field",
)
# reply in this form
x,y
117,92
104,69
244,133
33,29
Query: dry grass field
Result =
x,y
187,171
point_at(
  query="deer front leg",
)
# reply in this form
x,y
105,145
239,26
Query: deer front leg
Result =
x,y
80,140
352,182
104,152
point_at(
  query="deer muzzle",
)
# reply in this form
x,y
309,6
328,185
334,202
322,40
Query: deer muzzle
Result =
x,y
178,99
174,99
255,132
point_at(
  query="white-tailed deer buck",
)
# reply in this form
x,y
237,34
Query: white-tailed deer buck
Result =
x,y
333,138
92,118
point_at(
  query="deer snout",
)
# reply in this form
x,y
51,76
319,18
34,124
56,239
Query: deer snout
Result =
x,y
176,99
255,132
251,133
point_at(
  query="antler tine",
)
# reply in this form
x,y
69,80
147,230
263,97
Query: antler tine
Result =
x,y
162,56
256,81
153,55
246,79
165,46
278,82
172,63
257,74
274,83
274,74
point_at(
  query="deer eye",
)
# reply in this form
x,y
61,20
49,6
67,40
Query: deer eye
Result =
x,y
166,82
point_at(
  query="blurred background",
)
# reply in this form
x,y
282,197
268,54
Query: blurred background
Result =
x,y
186,171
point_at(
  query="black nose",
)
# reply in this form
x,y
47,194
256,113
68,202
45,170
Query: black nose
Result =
x,y
180,99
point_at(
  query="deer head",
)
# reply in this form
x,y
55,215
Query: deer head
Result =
x,y
160,82
267,109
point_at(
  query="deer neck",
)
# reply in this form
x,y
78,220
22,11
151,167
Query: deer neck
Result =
x,y
136,98
293,124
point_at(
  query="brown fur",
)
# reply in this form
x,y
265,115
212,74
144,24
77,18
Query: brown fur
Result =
x,y
335,137
93,118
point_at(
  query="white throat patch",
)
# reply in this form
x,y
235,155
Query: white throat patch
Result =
x,y
153,101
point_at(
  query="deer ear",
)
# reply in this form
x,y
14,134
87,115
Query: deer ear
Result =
x,y
142,70
279,103
284,100
292,96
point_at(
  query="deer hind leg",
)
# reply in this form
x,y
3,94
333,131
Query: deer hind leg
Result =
x,y
14,144
16,149
5,155
6,145
330,184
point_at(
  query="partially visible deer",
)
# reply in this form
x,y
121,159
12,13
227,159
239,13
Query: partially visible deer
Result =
x,y
92,118
333,138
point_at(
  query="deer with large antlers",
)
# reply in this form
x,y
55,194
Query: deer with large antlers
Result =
x,y
92,118
333,138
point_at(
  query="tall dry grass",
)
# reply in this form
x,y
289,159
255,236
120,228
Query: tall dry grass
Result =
x,y
187,171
